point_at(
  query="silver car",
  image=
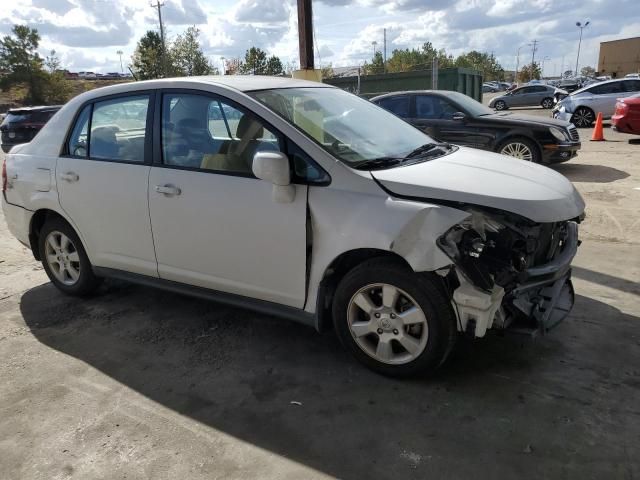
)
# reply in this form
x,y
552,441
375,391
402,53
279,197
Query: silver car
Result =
x,y
582,106
527,96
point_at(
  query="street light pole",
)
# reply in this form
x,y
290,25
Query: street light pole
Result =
x,y
542,69
581,27
515,80
119,52
374,43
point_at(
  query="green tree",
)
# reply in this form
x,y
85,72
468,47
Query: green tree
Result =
x,y
52,62
588,71
146,61
418,59
530,72
486,63
376,66
327,71
187,57
18,57
274,66
255,62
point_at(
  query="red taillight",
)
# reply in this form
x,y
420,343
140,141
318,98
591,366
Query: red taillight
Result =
x,y
621,108
4,175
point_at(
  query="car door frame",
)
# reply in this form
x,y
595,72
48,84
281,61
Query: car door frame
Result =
x,y
93,252
283,141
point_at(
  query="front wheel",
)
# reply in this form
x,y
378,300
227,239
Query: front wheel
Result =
x,y
547,103
65,260
394,321
520,148
500,105
583,117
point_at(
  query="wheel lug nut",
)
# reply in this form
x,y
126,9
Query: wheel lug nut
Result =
x,y
377,315
393,315
395,331
379,331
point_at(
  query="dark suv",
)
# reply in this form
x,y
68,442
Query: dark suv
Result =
x,y
21,124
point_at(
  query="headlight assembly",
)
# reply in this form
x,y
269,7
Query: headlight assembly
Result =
x,y
559,133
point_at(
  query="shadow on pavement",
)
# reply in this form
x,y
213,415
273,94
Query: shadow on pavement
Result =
x,y
589,173
497,400
606,280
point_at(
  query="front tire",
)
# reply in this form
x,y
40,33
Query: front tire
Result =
x,y
547,103
583,117
520,148
500,105
65,260
396,322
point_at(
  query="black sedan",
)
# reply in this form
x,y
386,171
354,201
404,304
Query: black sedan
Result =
x,y
455,118
21,124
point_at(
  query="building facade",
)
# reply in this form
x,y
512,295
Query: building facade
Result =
x,y
619,57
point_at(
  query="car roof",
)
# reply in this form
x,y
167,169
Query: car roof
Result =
x,y
41,108
604,82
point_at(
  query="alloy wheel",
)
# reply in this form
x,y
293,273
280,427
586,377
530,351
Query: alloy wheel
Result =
x,y
582,118
518,150
547,103
62,257
500,105
387,324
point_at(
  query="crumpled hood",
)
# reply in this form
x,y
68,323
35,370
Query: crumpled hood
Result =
x,y
488,179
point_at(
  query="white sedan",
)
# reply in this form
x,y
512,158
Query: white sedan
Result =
x,y
301,200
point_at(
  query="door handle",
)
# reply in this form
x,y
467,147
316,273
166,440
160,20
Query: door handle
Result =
x,y
168,190
70,177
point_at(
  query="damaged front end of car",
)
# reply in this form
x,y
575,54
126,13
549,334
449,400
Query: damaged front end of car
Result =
x,y
509,273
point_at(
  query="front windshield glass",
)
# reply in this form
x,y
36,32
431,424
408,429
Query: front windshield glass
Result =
x,y
350,128
472,107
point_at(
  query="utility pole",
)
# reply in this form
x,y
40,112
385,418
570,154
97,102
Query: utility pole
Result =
x,y
374,43
305,34
384,30
533,52
163,62
119,53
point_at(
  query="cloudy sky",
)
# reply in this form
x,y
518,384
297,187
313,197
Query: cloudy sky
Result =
x,y
88,33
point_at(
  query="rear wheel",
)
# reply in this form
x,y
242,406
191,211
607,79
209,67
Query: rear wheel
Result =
x,y
394,321
520,148
65,260
547,103
500,105
583,117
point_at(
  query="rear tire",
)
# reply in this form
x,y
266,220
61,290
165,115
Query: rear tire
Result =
x,y
396,322
547,103
65,260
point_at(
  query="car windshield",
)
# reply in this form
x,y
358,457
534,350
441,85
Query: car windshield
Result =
x,y
350,128
473,107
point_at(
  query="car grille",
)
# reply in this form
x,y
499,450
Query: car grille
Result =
x,y
573,133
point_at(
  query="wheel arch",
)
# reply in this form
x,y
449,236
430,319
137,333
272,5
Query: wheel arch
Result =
x,y
336,270
38,219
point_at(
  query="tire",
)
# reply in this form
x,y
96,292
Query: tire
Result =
x,y
521,148
547,103
500,105
583,117
65,260
423,319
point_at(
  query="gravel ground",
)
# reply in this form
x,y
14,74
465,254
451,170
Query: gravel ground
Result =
x,y
137,383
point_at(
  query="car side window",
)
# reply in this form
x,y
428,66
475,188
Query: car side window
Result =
x,y
427,107
304,168
118,129
78,144
606,88
206,133
631,85
396,105
520,91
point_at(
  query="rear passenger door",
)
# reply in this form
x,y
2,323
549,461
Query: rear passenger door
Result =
x,y
603,97
102,177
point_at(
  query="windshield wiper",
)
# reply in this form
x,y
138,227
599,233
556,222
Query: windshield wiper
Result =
x,y
427,147
374,163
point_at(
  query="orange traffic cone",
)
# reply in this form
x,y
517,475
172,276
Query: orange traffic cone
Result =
x,y
598,135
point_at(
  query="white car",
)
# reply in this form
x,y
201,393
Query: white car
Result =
x,y
297,199
582,106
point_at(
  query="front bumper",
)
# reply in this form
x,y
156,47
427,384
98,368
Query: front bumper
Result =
x,y
561,114
560,152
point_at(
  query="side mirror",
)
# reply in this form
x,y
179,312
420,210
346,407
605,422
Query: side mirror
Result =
x,y
459,116
273,167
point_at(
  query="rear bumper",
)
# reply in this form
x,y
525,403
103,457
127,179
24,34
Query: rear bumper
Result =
x,y
18,221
